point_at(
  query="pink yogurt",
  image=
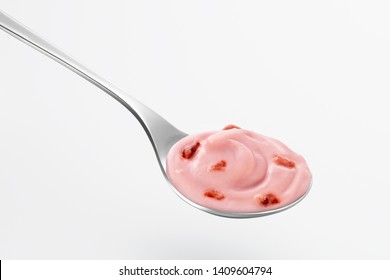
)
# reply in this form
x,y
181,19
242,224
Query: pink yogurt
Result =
x,y
236,170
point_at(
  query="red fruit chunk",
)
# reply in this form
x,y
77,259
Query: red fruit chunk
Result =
x,y
216,194
218,166
230,126
267,200
284,162
189,151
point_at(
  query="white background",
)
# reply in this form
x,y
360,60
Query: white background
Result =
x,y
79,179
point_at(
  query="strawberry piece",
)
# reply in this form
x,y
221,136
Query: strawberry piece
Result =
x,y
189,151
216,194
279,160
230,126
267,200
218,166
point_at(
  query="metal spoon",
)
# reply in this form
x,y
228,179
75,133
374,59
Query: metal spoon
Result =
x,y
161,133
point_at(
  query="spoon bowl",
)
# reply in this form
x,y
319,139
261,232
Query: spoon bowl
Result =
x,y
161,133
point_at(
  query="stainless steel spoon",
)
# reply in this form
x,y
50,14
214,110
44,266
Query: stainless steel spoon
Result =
x,y
161,133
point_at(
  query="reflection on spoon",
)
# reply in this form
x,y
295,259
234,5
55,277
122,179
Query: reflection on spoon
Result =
x,y
161,133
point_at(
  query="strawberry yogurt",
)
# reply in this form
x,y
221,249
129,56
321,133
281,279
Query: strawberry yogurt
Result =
x,y
236,170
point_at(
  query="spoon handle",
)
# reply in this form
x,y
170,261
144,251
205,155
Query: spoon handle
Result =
x,y
158,129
